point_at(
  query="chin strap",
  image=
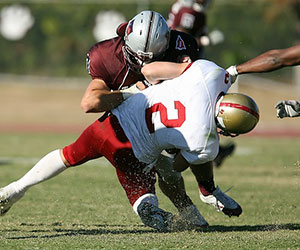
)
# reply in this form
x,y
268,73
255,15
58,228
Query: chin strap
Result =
x,y
225,133
222,131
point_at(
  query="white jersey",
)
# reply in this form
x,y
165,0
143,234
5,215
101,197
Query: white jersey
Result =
x,y
178,113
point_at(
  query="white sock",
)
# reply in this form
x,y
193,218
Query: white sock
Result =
x,y
49,166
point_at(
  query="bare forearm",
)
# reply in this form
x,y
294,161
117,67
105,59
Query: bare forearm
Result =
x,y
271,60
266,62
100,101
159,71
99,98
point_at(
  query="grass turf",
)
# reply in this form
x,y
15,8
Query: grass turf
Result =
x,y
86,208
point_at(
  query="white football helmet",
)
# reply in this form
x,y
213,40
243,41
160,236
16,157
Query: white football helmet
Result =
x,y
236,114
146,38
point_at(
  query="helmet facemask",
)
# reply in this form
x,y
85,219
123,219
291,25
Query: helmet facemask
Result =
x,y
220,125
131,57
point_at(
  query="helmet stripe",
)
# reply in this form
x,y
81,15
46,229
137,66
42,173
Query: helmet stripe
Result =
x,y
239,106
149,32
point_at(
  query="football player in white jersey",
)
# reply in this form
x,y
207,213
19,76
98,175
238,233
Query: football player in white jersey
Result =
x,y
181,113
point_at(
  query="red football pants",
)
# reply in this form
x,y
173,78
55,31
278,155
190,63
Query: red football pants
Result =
x,y
107,138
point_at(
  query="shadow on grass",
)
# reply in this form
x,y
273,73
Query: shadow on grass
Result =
x,y
125,229
253,228
63,232
4,162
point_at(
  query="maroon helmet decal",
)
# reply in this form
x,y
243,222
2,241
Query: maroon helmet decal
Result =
x,y
129,27
180,43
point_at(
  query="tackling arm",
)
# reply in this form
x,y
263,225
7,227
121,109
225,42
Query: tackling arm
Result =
x,y
156,72
99,98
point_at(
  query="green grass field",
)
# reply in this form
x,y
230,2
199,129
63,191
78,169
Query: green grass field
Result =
x,y
86,208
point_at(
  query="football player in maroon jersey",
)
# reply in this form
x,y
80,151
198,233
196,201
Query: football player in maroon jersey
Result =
x,y
142,45
114,65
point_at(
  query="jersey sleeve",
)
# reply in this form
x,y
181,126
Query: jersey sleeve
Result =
x,y
95,65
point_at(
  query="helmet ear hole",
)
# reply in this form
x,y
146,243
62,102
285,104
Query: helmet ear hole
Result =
x,y
236,113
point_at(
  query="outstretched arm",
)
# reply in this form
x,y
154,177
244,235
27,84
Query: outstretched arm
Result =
x,y
269,61
98,97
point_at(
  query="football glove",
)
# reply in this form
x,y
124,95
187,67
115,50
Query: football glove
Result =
x,y
289,108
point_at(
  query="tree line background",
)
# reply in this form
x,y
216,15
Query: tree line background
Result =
x,y
57,43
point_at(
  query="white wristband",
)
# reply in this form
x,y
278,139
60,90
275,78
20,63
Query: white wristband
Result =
x,y
232,70
146,83
126,93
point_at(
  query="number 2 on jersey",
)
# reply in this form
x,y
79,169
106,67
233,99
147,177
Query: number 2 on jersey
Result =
x,y
169,123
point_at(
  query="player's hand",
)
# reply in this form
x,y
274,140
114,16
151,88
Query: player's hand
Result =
x,y
289,108
140,85
232,72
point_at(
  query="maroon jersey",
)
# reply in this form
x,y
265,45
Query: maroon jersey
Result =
x,y
105,137
190,19
106,61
